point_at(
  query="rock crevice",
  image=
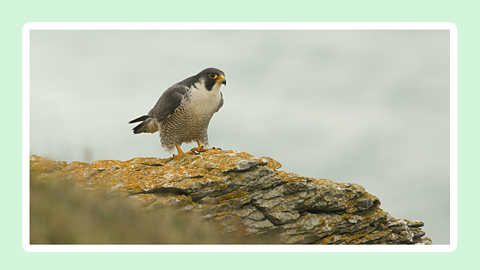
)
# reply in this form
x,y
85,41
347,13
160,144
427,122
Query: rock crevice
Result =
x,y
245,195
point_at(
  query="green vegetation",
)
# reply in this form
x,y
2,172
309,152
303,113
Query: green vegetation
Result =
x,y
61,213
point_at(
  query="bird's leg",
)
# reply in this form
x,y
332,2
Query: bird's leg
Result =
x,y
199,148
179,150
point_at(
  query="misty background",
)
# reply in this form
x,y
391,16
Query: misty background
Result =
x,y
363,106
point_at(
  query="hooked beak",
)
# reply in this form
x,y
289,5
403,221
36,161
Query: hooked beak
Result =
x,y
222,80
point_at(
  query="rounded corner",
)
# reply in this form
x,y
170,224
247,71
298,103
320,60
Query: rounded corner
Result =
x,y
27,26
26,247
452,26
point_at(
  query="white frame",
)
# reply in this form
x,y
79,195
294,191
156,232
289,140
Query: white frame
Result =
x,y
237,26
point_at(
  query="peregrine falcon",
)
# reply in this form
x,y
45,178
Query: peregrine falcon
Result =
x,y
183,111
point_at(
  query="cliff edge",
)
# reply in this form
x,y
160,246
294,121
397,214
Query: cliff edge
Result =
x,y
244,195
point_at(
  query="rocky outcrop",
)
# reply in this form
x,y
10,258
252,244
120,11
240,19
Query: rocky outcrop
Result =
x,y
245,195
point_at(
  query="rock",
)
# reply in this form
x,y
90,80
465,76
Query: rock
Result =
x,y
244,195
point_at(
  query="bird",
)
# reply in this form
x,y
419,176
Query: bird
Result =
x,y
183,111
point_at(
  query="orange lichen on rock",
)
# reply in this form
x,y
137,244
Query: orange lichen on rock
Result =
x,y
245,195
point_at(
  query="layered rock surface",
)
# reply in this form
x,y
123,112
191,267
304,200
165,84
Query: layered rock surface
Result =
x,y
245,195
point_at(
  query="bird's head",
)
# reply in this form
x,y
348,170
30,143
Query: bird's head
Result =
x,y
212,78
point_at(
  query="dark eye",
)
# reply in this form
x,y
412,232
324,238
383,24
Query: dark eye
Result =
x,y
213,75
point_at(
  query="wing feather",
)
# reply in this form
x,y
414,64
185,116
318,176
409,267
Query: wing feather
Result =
x,y
168,102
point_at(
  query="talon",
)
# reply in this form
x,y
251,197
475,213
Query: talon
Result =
x,y
200,148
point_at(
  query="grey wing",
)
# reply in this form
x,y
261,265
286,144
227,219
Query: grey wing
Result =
x,y
168,102
220,104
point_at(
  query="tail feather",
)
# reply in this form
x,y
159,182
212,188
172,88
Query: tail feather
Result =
x,y
141,118
142,127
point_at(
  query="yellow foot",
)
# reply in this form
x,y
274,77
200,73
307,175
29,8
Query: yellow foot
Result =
x,y
199,149
179,150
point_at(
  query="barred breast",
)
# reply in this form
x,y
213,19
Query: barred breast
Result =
x,y
190,120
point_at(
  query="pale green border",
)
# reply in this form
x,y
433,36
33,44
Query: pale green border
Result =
x,y
463,13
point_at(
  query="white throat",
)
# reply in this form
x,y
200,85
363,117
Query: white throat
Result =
x,y
201,100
